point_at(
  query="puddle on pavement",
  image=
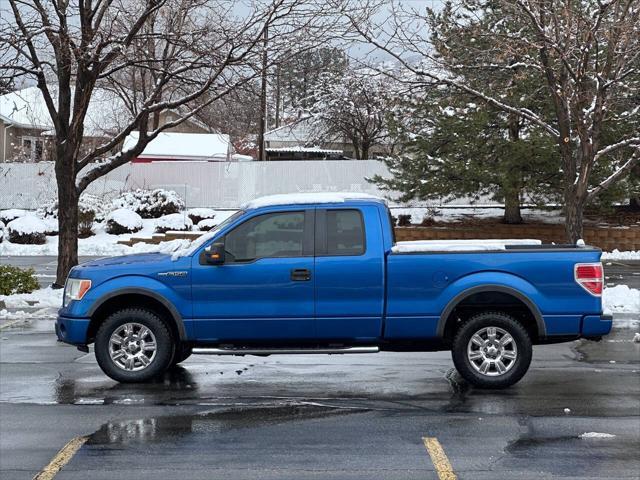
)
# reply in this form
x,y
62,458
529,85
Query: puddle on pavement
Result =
x,y
616,348
168,429
608,453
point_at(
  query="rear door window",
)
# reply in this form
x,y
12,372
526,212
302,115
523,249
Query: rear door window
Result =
x,y
345,232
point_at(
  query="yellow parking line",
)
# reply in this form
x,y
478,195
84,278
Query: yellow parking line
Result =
x,y
61,459
439,458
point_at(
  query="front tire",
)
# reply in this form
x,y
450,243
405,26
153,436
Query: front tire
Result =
x,y
492,350
134,345
181,354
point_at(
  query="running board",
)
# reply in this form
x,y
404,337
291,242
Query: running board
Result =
x,y
281,351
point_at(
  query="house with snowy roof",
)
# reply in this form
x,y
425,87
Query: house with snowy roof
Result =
x,y
26,128
179,146
299,140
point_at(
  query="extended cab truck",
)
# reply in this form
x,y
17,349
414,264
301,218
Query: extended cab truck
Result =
x,y
323,274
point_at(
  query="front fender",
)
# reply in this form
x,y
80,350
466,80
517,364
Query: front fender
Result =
x,y
490,282
132,284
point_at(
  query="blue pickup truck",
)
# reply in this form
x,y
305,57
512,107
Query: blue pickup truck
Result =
x,y
292,274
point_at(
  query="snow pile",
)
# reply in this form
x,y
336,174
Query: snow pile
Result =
x,y
122,221
459,245
636,338
207,224
306,198
150,203
45,297
621,299
27,224
11,214
52,226
198,214
596,435
27,230
173,222
624,255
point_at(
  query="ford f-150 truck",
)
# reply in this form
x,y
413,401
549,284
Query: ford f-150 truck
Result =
x,y
322,273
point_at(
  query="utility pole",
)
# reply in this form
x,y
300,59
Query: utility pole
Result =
x,y
263,99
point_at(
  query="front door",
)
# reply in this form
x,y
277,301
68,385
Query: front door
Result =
x,y
265,289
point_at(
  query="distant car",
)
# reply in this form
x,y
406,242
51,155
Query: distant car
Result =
x,y
323,274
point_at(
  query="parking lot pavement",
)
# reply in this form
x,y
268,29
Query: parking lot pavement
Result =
x,y
319,417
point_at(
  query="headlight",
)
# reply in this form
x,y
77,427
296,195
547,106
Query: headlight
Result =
x,y
75,289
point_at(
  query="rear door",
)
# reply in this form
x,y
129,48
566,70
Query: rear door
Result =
x,y
265,289
349,274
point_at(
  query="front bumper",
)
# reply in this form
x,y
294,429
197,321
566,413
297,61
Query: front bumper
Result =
x,y
596,325
72,330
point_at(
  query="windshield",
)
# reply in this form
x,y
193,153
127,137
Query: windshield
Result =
x,y
198,242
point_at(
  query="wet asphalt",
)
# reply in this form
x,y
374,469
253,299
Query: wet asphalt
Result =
x,y
318,416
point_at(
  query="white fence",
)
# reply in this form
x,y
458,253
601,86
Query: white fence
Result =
x,y
201,184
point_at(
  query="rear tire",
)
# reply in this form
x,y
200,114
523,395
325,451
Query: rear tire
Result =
x,y
134,345
492,350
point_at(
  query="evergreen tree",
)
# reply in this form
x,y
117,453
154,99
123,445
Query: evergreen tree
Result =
x,y
453,147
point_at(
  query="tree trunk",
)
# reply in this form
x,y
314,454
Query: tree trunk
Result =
x,y
364,152
634,203
512,214
573,212
67,220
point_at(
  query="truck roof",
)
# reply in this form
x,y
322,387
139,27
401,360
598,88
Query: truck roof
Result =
x,y
309,198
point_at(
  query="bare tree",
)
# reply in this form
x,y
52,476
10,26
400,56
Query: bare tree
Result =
x,y
587,54
352,105
155,54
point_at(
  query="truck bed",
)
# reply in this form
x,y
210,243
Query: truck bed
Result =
x,y
423,281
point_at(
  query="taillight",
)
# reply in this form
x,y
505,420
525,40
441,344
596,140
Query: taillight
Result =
x,y
589,276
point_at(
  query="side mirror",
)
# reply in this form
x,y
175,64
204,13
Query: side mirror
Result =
x,y
214,254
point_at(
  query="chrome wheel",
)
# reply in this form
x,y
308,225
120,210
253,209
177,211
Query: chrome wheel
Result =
x,y
492,351
132,347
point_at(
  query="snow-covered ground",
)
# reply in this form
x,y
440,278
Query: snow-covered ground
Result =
x,y
104,244
465,212
624,255
43,298
621,299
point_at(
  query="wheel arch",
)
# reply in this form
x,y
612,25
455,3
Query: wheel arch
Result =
x,y
135,297
459,299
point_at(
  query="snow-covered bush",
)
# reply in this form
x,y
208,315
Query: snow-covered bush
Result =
x,y
87,204
207,224
198,214
49,210
174,222
52,226
404,220
17,280
1,231
27,230
150,203
123,221
7,216
85,223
